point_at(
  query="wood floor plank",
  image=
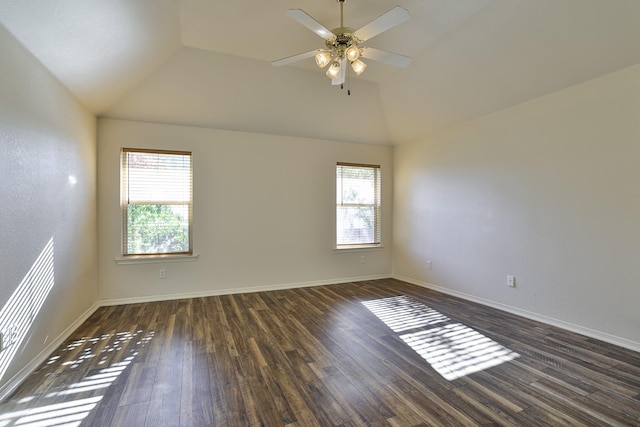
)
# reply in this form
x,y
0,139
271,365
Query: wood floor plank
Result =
x,y
196,402
427,408
129,415
319,356
138,386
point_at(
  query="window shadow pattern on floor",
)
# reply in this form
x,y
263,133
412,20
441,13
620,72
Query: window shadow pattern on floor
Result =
x,y
50,407
451,348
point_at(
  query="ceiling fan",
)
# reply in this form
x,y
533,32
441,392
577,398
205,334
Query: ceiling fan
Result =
x,y
343,44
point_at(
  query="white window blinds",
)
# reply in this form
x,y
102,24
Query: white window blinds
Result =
x,y
157,188
358,205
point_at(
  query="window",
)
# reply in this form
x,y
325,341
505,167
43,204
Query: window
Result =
x,y
358,205
156,202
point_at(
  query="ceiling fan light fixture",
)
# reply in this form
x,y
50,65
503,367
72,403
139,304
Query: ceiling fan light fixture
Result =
x,y
352,53
333,72
343,44
358,67
323,58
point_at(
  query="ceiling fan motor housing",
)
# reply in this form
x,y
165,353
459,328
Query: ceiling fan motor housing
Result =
x,y
343,39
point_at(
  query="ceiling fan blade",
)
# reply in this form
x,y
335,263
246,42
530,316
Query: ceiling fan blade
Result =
x,y
382,23
303,18
294,58
394,59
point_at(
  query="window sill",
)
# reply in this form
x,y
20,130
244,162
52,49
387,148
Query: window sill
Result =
x,y
358,248
149,259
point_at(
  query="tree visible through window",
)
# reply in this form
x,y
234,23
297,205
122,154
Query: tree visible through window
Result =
x,y
357,205
156,202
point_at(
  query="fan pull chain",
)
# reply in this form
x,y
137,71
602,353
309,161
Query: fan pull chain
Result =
x,y
348,83
348,86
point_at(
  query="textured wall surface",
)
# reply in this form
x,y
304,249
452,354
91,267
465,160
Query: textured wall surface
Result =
x,y
48,250
546,191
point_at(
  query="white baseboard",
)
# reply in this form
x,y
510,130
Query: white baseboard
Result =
x,y
230,291
602,336
19,377
7,388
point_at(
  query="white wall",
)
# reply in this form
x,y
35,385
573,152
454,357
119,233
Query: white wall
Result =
x,y
548,191
196,87
48,197
264,211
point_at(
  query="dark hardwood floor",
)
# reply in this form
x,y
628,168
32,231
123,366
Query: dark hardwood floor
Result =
x,y
376,353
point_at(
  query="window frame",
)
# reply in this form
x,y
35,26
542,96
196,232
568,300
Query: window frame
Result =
x,y
377,206
125,203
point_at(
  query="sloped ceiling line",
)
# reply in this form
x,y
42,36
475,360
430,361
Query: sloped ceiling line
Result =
x,y
206,62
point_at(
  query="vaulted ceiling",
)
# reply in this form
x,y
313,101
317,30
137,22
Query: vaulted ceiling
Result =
x,y
206,62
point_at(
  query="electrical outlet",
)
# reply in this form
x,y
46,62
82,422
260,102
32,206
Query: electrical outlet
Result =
x,y
8,338
13,336
429,265
163,273
362,259
511,281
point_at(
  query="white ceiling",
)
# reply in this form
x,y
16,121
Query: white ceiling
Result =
x,y
206,62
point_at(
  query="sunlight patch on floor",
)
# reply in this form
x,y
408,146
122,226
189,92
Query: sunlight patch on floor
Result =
x,y
456,350
57,414
452,349
38,412
403,313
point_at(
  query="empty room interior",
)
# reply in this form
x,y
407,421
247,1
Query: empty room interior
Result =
x,y
319,213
